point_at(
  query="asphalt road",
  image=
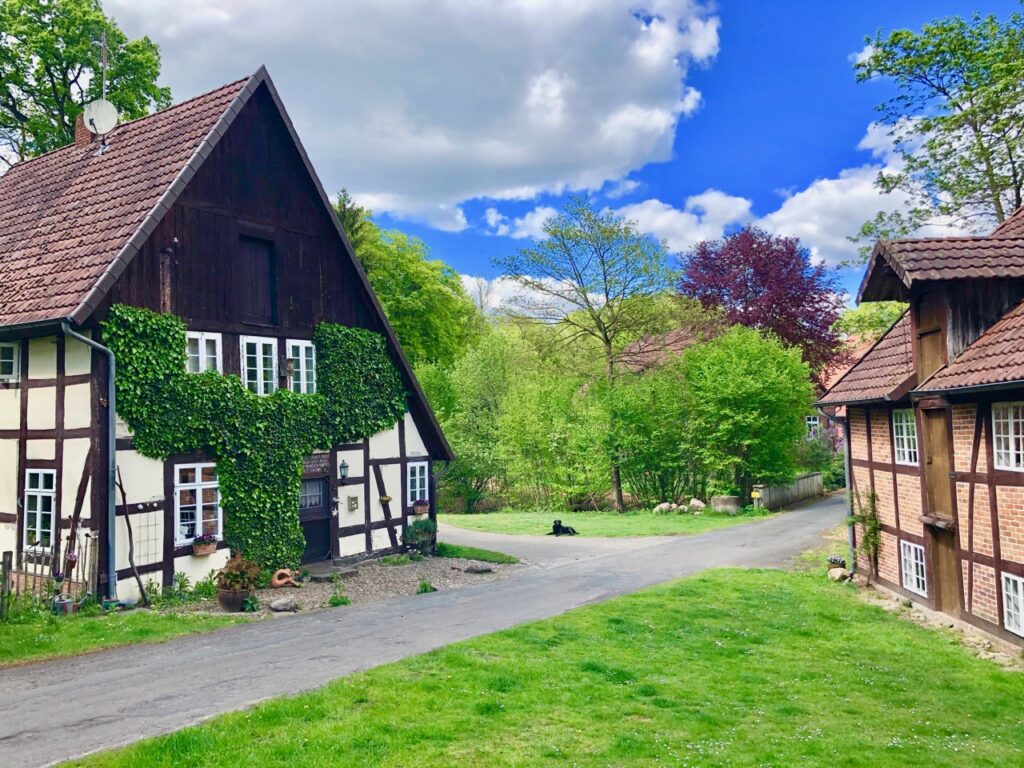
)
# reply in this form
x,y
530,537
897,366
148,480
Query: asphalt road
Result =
x,y
51,711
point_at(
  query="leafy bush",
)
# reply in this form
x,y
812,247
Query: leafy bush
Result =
x,y
421,535
425,587
238,574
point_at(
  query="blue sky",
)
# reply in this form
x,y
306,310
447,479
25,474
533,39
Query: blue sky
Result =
x,y
467,125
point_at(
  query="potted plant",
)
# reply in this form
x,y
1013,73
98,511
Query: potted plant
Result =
x,y
70,561
236,582
420,507
204,544
421,535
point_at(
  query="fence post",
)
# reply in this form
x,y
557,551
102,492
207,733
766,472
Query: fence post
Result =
x,y
5,585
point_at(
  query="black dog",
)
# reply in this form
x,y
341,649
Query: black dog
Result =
x,y
561,530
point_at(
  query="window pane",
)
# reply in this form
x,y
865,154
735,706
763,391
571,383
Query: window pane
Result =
x,y
48,480
209,474
186,475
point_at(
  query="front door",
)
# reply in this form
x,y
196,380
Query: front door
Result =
x,y
315,517
944,566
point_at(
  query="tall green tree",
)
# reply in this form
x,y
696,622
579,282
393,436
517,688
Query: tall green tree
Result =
x,y
745,396
50,57
870,319
955,121
593,277
424,299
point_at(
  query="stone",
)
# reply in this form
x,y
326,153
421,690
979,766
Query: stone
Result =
x,y
838,574
284,605
664,508
478,569
729,505
697,506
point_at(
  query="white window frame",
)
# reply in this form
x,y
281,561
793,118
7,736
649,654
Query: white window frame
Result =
x,y
262,388
412,482
904,437
1013,603
202,337
198,486
813,424
303,378
39,493
15,373
914,570
1008,436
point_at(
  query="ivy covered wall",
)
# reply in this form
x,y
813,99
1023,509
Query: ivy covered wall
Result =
x,y
258,442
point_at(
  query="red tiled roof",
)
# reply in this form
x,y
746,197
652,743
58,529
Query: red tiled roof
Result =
x,y
67,215
995,357
854,348
882,374
1013,226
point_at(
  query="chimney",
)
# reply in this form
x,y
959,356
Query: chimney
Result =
x,y
83,138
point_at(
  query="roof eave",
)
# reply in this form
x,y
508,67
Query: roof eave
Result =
x,y
969,390
884,279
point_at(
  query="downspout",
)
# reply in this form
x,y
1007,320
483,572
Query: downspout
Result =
x,y
845,423
111,455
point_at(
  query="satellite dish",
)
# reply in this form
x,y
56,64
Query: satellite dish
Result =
x,y
100,117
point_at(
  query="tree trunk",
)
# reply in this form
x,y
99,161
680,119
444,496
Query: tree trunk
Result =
x,y
620,503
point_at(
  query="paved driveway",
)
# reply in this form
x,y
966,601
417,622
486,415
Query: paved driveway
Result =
x,y
129,693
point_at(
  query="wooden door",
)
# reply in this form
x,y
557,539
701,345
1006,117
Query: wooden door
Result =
x,y
944,567
315,517
931,334
936,463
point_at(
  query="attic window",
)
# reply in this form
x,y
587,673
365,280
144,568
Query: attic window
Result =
x,y
9,362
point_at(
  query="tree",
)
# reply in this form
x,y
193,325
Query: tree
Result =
x,y
423,298
50,67
592,276
869,320
954,121
767,282
745,396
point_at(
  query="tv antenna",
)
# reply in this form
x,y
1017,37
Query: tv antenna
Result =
x,y
100,115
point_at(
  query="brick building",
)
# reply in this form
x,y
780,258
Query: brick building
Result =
x,y
935,418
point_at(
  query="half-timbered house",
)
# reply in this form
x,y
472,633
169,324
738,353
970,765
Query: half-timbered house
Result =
x,y
935,419
209,210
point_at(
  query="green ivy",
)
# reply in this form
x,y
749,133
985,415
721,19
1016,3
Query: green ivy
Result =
x,y
258,442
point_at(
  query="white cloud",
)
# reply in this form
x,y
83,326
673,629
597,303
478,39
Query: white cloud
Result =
x,y
500,293
418,109
823,215
859,57
530,224
621,188
702,217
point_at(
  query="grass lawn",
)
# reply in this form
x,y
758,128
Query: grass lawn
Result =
x,y
474,553
730,668
42,636
595,523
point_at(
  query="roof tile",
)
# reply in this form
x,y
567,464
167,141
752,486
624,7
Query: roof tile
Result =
x,y
880,373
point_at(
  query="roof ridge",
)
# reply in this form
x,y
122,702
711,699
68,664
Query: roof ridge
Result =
x,y
72,145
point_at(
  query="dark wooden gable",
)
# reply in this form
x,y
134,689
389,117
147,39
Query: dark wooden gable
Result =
x,y
250,248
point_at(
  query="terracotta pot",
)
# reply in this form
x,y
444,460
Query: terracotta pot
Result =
x,y
231,599
420,509
203,549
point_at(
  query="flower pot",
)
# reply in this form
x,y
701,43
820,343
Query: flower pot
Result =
x,y
231,599
202,549
420,509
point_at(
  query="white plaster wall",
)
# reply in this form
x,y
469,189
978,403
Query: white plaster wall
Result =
x,y
10,408
122,428
77,406
352,545
198,568
42,407
40,449
354,459
414,445
381,539
9,476
77,356
143,477
148,532
8,537
75,453
392,474
346,518
384,445
42,358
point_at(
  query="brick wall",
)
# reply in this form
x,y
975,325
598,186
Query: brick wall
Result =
x,y
909,492
982,518
858,433
888,558
884,492
1010,502
984,605
963,439
880,446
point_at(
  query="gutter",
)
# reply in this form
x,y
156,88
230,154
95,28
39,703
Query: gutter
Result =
x,y
111,454
849,486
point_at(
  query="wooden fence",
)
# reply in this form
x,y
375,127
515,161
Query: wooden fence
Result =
x,y
805,487
34,576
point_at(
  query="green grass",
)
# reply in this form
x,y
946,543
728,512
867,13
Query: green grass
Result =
x,y
730,668
473,553
43,636
412,557
595,523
